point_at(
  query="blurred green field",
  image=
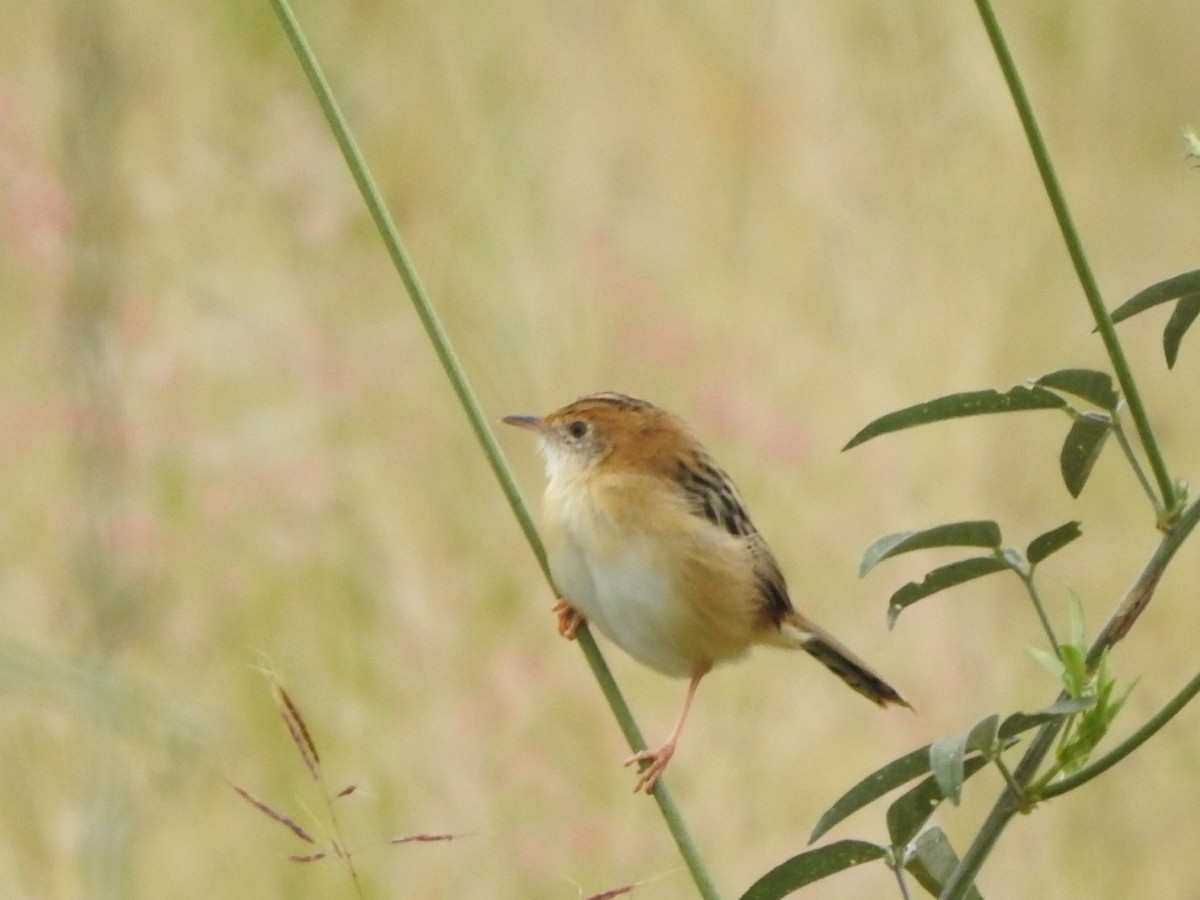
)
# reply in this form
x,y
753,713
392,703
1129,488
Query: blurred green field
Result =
x,y
228,449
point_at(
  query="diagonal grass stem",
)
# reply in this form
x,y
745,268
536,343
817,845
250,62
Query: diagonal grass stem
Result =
x,y
479,424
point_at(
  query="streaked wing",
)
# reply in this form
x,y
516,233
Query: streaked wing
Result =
x,y
713,496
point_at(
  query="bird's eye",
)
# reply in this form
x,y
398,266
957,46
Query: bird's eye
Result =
x,y
577,429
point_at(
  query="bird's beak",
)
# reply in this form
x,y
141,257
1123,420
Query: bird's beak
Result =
x,y
532,423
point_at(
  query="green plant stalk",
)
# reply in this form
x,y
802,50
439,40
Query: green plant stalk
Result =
x,y
483,432
1148,729
1127,449
1083,271
1036,599
898,871
1014,799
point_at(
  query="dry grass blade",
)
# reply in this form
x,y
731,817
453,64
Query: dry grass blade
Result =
x,y
424,837
279,817
306,857
615,892
298,730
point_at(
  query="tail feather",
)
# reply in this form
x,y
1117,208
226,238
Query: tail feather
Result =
x,y
796,631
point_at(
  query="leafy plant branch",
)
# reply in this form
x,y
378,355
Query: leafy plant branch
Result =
x,y
1016,797
1073,726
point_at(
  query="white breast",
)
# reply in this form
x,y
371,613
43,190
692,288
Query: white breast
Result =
x,y
628,597
625,586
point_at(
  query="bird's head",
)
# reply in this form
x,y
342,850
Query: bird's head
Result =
x,y
599,430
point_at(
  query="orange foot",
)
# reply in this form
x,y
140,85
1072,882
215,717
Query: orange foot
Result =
x,y
568,619
658,760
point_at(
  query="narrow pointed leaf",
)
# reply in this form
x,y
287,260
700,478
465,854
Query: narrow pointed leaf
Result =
x,y
941,578
946,764
978,533
910,811
1078,625
1181,320
1082,448
1051,542
881,781
933,860
1162,292
1018,722
958,406
812,865
1093,386
983,736
911,765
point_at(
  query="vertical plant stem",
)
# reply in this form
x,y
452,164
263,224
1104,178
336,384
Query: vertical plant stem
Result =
x,y
1083,271
1012,799
483,432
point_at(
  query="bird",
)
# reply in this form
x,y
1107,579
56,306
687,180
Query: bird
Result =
x,y
648,540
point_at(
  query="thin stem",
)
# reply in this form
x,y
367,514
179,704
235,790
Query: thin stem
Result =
x,y
479,424
1007,774
1054,192
1127,449
1127,746
1036,599
408,274
900,880
1138,596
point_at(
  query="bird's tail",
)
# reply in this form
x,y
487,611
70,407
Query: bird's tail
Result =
x,y
796,631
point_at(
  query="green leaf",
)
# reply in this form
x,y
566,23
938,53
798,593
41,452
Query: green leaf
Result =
x,y
1076,677
1078,626
812,865
941,578
1018,722
933,860
881,781
1093,386
958,406
1162,292
946,763
1181,320
983,737
977,533
1082,448
915,763
910,811
1051,542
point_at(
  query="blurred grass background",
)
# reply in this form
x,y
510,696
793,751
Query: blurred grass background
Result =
x,y
227,446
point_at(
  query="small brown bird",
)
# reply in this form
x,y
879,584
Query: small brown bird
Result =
x,y
648,540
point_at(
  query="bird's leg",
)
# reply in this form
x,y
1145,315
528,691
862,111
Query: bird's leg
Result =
x,y
659,758
568,619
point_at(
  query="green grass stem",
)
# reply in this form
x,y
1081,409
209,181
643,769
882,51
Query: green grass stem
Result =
x,y
1083,270
479,423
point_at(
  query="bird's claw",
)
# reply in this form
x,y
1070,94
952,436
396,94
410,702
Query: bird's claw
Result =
x,y
658,760
568,619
